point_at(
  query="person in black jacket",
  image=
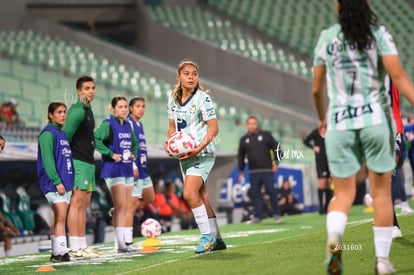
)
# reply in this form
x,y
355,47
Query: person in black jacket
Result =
x,y
316,141
259,148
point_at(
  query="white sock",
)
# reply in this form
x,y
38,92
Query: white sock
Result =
x,y
7,252
335,223
74,243
82,242
115,243
214,228
59,246
128,235
52,240
201,218
119,234
382,241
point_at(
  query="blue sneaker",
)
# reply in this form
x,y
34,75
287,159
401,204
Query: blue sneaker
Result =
x,y
207,242
220,245
125,250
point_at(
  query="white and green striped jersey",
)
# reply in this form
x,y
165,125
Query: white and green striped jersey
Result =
x,y
192,115
355,80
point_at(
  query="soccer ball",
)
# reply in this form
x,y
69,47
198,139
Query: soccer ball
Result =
x,y
367,200
179,142
151,228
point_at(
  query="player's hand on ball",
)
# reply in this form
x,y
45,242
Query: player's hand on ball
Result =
x,y
189,154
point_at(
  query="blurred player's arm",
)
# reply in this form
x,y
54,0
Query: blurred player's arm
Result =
x,y
134,144
73,120
171,128
399,76
241,154
102,134
318,88
309,139
275,146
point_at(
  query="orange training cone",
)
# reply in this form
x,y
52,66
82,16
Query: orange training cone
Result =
x,y
148,249
45,268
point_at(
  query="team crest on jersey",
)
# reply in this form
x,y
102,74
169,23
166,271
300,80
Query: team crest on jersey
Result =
x,y
193,109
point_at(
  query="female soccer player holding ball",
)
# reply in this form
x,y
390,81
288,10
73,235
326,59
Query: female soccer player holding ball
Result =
x,y
190,109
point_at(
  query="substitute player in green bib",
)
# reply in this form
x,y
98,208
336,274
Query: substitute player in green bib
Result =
x,y
351,60
191,110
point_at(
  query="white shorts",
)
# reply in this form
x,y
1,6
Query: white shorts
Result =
x,y
128,181
54,197
141,184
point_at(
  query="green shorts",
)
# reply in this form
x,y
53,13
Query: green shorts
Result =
x,y
347,150
84,176
197,166
141,184
54,197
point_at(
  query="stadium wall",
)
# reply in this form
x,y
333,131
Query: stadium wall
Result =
x,y
11,13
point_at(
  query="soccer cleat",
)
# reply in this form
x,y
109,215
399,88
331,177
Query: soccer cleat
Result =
x,y
220,245
66,257
207,242
89,252
277,219
55,258
383,266
134,247
60,258
76,254
84,253
396,232
254,221
405,208
125,250
334,266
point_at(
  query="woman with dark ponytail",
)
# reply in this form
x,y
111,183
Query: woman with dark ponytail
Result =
x,y
55,174
351,59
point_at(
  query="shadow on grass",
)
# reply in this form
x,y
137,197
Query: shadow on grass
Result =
x,y
223,256
404,241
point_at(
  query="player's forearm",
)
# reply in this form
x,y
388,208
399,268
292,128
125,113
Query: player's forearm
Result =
x,y
101,134
209,137
74,119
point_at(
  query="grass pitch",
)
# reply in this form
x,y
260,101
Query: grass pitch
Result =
x,y
295,246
